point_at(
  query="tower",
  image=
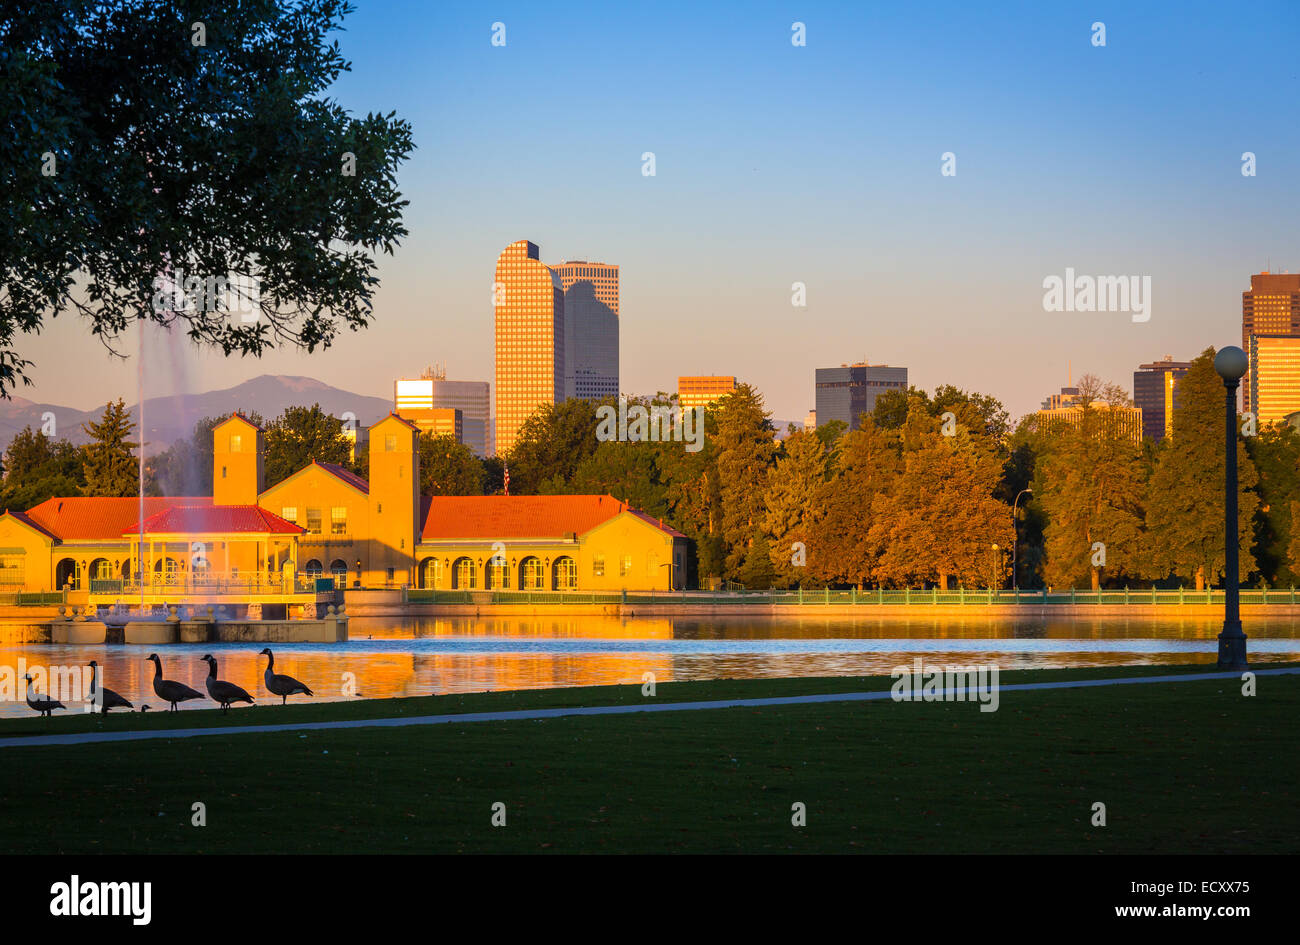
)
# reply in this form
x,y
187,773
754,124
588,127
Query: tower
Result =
x,y
394,500
237,447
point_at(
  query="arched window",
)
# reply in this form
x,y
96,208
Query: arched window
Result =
x,y
464,576
530,574
431,572
313,568
339,568
164,570
566,574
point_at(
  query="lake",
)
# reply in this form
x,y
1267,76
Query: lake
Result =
x,y
419,656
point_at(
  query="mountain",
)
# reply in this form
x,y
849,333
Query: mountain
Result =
x,y
170,418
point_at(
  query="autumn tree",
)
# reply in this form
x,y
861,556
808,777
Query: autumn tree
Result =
x,y
1275,451
1090,482
1185,497
842,548
790,505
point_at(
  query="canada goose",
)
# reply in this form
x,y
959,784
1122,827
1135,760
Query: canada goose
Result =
x,y
107,698
169,690
43,706
221,691
279,684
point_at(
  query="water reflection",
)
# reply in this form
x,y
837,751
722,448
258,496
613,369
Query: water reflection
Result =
x,y
406,657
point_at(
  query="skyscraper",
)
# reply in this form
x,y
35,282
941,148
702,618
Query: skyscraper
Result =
x,y
1274,372
1155,391
1270,307
847,392
529,303
590,328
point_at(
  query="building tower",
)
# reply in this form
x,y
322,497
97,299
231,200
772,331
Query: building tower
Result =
x,y
1155,391
529,303
1270,307
237,448
394,501
591,322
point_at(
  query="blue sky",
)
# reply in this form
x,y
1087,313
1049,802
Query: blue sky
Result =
x,y
819,164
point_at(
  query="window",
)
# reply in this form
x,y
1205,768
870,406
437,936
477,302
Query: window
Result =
x,y
313,521
390,575
390,443
290,513
566,574
339,520
236,441
624,565
598,566
223,472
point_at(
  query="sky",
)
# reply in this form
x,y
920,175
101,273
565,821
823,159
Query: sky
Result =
x,y
819,164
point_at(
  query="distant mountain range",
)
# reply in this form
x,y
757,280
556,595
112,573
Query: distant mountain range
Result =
x,y
168,419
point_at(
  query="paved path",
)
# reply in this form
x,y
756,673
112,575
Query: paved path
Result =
x,y
83,738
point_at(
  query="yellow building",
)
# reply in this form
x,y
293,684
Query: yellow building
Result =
x,y
702,391
528,299
326,520
1274,372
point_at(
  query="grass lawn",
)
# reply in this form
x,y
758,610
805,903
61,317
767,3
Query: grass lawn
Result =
x,y
1182,767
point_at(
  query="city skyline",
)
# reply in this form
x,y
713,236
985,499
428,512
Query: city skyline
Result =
x,y
748,199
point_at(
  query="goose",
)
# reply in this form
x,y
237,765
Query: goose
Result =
x,y
279,684
169,690
106,697
221,691
43,706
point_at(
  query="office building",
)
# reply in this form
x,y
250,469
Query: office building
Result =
x,y
846,392
1274,372
528,300
1270,307
414,397
1066,410
1155,391
702,391
591,321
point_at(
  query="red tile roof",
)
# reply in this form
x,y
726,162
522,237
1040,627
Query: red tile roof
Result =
x,y
217,520
87,518
501,517
30,523
351,478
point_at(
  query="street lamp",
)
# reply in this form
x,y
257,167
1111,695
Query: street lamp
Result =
x,y
1015,536
1231,364
993,570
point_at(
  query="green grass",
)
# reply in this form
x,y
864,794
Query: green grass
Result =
x,y
1182,767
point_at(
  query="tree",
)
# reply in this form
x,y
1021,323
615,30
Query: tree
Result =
x,y
111,469
1275,451
38,468
1090,482
163,168
448,467
744,450
299,436
1185,497
790,504
550,445
842,548
939,518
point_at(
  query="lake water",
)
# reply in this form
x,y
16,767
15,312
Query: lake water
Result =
x,y
419,656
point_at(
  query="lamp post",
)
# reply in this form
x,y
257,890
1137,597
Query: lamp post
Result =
x,y
1015,537
1231,364
993,570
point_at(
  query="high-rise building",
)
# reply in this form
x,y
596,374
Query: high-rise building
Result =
x,y
414,398
1063,410
846,392
590,328
1274,372
529,303
703,390
810,421
1270,307
1155,391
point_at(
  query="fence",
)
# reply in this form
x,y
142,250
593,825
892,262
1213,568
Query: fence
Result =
x,y
905,596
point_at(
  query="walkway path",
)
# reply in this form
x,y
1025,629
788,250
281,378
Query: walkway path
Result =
x,y
83,738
